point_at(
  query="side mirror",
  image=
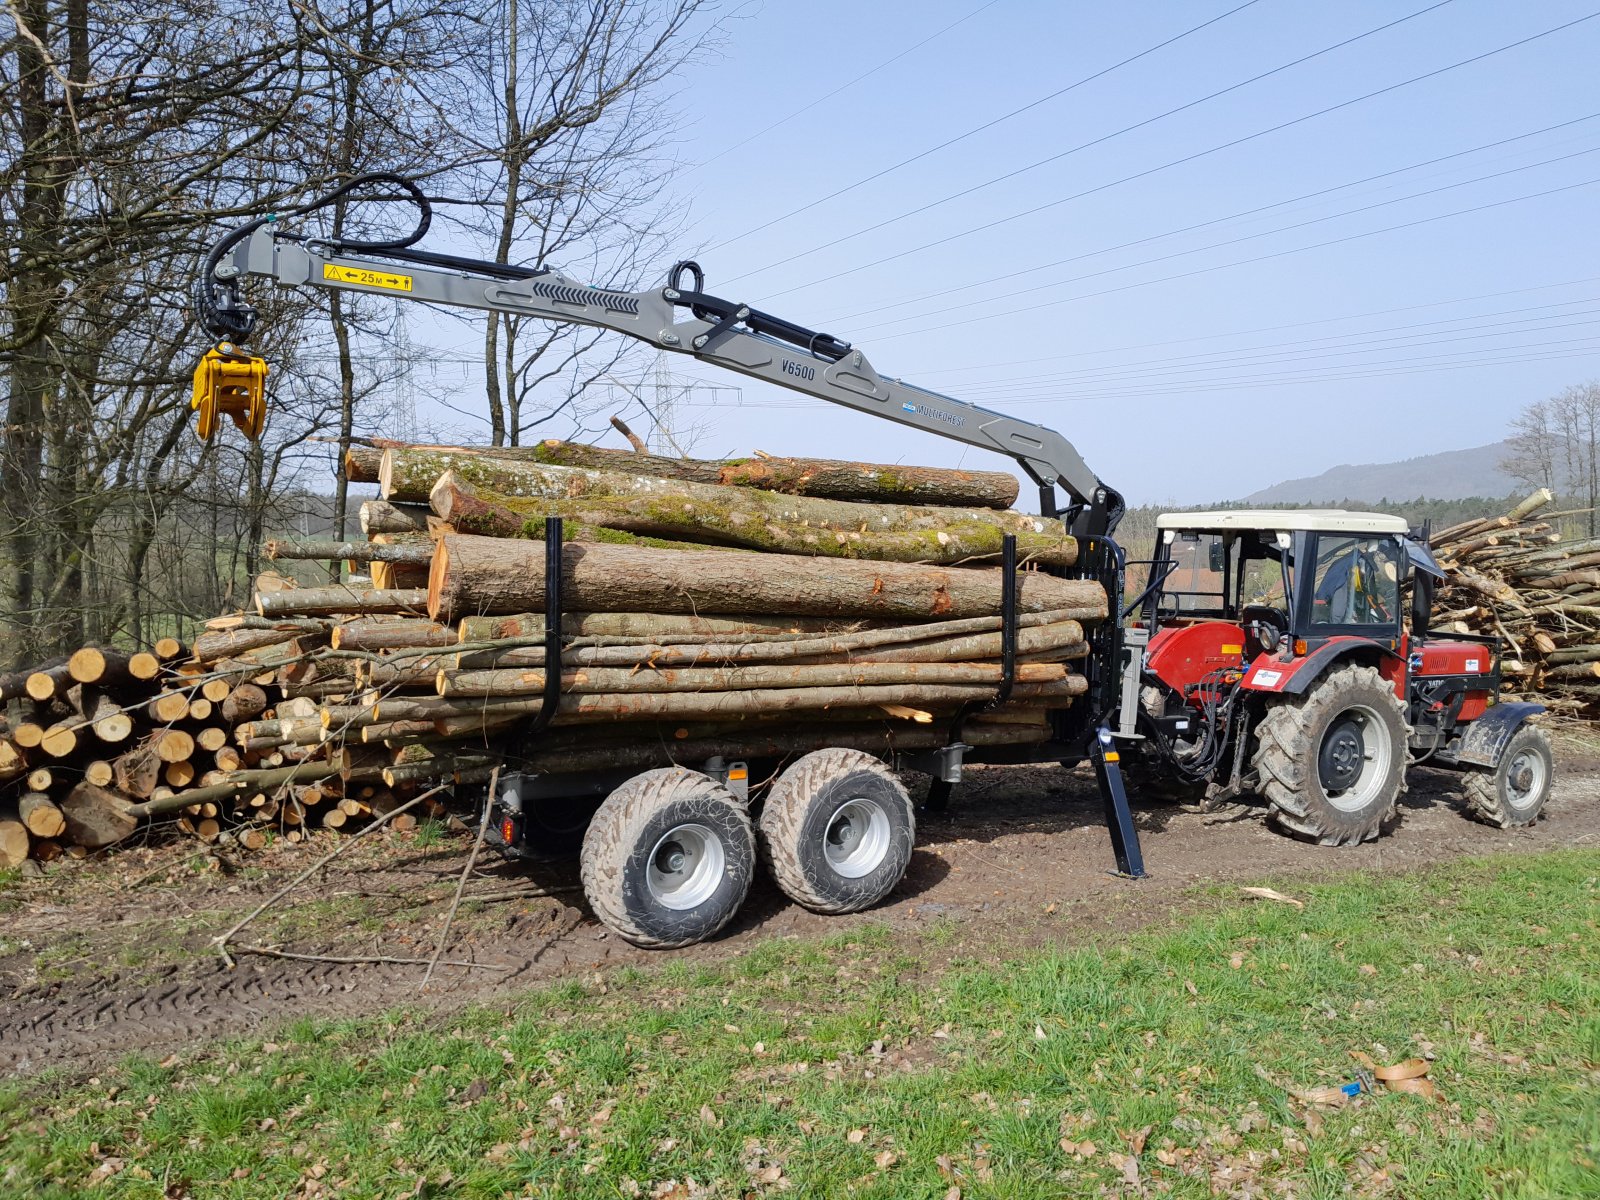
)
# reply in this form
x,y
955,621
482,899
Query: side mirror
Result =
x,y
1217,556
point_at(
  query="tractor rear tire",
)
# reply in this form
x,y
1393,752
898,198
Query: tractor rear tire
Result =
x,y
837,831
668,858
1513,792
1332,763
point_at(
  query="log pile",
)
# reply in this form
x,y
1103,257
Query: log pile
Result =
x,y
1513,577
700,622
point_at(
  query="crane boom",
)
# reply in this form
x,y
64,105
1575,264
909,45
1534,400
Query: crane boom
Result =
x,y
675,317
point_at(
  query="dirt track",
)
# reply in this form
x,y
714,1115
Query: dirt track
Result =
x,y
96,963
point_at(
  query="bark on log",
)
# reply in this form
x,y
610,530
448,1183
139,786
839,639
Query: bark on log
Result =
x,y
392,635
97,816
230,643
336,598
138,771
244,703
390,552
658,627
649,706
243,782
1039,634
491,575
501,499
827,478
514,682
383,516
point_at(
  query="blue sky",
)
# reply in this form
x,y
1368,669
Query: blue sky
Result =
x,y
1200,376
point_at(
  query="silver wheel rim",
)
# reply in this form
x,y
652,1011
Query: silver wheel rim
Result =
x,y
685,867
1377,752
1525,778
855,840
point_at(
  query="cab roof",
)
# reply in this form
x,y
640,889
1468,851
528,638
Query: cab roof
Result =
x,y
1328,520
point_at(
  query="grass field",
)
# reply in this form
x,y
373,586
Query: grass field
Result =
x,y
1164,1063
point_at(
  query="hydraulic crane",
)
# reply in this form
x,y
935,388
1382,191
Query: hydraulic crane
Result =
x,y
679,316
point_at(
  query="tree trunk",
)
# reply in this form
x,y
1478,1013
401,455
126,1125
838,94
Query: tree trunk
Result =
x,y
514,682
751,520
648,706
339,598
824,478
492,575
392,552
392,635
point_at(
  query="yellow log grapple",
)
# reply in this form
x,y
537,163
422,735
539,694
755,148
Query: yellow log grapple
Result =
x,y
230,381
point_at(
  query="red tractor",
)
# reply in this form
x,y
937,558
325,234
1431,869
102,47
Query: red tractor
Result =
x,y
1271,653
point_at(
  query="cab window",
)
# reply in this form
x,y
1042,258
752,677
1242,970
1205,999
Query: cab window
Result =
x,y
1357,581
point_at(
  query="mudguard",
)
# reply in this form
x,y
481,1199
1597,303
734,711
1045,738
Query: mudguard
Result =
x,y
1484,738
1293,678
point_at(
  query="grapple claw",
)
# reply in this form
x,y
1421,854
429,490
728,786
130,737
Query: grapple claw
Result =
x,y
228,380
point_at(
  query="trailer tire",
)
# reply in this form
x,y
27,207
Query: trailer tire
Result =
x,y
837,831
1513,792
1304,741
668,858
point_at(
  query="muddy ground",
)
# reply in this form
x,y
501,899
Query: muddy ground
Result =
x,y
100,959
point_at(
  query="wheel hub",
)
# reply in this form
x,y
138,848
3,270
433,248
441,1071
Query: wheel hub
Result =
x,y
1343,755
685,867
856,838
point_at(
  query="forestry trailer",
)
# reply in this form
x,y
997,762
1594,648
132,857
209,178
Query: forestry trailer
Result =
x,y
1271,653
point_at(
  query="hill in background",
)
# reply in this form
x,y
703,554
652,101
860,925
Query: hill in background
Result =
x,y
1448,475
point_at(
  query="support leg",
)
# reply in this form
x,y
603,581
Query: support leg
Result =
x,y
1119,820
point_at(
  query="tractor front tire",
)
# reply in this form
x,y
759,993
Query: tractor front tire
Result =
x,y
1332,763
668,858
1513,792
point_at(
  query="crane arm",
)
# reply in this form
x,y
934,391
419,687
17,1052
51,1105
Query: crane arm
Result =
x,y
679,316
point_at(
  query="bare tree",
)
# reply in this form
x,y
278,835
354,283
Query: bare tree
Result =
x,y
1555,443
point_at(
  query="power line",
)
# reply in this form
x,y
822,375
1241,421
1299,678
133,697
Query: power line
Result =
x,y
845,87
1360,316
1463,364
1249,212
1156,169
1248,261
1016,112
1196,370
1248,237
1103,138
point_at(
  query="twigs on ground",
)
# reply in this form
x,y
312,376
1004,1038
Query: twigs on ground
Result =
x,y
274,952
221,940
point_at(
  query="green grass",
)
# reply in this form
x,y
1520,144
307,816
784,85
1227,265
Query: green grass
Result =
x,y
858,1065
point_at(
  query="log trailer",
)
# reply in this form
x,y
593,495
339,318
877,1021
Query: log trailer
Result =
x,y
1268,652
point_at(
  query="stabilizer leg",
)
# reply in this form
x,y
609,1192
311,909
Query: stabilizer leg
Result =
x,y
1119,818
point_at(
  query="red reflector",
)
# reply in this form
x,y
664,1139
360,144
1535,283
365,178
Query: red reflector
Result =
x,y
508,830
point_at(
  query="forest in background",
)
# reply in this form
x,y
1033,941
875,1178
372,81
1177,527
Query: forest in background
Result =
x,y
133,134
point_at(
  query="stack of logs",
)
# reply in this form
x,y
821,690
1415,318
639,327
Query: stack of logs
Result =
x,y
700,623
1514,577
92,744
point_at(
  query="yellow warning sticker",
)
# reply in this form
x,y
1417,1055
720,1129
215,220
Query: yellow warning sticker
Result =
x,y
387,280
